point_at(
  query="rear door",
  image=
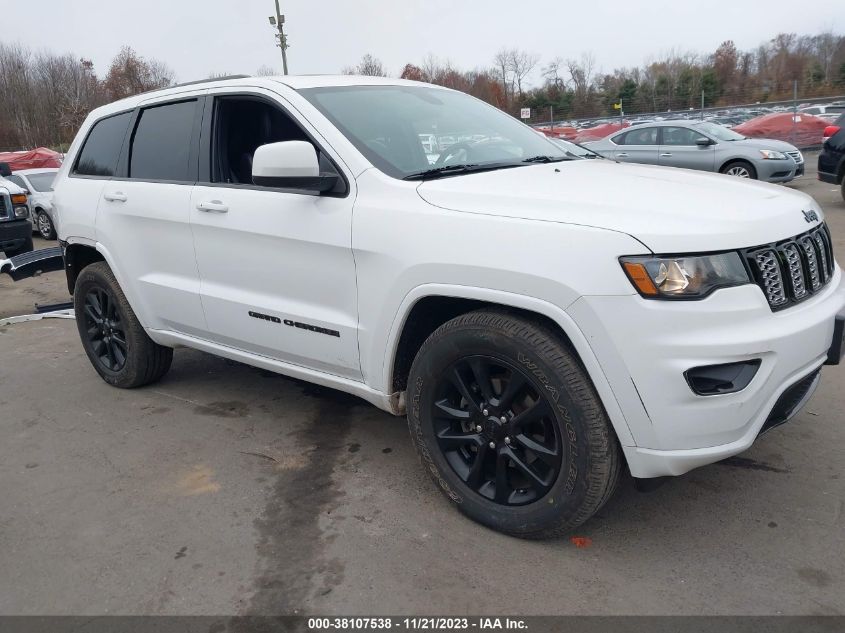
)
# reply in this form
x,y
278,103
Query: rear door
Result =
x,y
678,148
638,145
143,215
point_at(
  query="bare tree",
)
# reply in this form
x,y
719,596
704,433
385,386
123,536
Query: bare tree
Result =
x,y
266,71
368,65
521,64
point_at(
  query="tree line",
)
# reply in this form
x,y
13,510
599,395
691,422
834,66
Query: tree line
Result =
x,y
45,97
676,80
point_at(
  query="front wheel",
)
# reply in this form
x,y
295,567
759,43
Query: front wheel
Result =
x,y
45,226
113,338
740,169
509,426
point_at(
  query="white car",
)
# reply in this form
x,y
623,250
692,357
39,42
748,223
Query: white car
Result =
x,y
544,323
39,185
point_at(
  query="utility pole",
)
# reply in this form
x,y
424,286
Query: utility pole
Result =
x,y
702,105
279,22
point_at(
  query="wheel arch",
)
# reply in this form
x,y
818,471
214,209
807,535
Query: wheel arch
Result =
x,y
77,257
428,307
737,159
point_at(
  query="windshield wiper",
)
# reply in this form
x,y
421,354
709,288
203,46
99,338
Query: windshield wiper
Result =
x,y
545,159
450,170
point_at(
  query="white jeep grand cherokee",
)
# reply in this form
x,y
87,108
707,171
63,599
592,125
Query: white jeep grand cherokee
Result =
x,y
544,322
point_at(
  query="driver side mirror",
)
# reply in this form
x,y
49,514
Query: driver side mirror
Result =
x,y
5,170
290,165
704,142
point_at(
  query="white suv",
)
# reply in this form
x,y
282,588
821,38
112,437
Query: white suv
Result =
x,y
544,322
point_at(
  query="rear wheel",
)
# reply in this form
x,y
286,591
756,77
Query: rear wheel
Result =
x,y
740,169
509,426
113,338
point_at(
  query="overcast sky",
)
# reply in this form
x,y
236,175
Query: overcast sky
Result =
x,y
200,37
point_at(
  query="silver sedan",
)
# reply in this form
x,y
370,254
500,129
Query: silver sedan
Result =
x,y
704,146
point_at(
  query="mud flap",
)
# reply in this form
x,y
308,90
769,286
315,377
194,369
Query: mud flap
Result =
x,y
33,263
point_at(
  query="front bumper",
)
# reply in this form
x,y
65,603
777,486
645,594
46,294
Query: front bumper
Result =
x,y
644,347
14,233
779,170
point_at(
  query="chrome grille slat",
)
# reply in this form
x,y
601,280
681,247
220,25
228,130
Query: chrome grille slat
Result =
x,y
793,270
813,271
796,156
767,264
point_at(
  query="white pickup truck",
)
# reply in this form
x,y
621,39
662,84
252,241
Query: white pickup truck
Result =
x,y
545,322
15,222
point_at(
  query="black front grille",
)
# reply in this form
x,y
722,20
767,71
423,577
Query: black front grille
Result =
x,y
790,271
789,401
3,208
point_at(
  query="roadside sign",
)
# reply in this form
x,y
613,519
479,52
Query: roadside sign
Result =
x,y
525,113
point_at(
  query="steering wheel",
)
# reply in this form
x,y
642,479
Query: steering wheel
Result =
x,y
451,151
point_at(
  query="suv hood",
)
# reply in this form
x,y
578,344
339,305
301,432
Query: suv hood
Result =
x,y
669,210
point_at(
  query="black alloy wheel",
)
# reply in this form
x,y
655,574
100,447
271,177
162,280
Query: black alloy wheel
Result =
x,y
497,431
104,328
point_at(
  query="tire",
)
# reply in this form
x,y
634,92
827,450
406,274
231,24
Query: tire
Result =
x,y
117,345
559,398
737,168
842,187
44,225
26,247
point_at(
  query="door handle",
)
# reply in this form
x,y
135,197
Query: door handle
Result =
x,y
117,196
667,154
622,155
213,206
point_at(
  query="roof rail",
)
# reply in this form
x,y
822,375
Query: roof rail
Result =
x,y
198,81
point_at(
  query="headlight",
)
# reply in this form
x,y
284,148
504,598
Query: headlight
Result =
x,y
21,212
684,277
770,154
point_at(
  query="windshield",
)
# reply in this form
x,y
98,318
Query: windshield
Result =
x,y
719,132
409,130
43,181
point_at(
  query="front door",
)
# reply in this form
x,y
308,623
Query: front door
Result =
x,y
678,148
276,266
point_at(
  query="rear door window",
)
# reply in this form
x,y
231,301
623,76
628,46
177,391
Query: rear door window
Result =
x,y
102,147
161,144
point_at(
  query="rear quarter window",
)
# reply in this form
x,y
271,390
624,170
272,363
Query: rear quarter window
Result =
x,y
101,150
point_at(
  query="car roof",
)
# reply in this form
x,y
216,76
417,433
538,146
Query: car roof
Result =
x,y
295,82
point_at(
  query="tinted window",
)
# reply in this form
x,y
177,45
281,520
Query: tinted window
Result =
x,y
644,136
102,147
18,181
162,142
42,181
680,136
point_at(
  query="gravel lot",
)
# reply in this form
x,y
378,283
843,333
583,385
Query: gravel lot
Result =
x,y
227,490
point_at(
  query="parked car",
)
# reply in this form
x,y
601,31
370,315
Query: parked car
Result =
x,y
38,183
545,322
15,224
706,147
834,109
832,156
574,150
